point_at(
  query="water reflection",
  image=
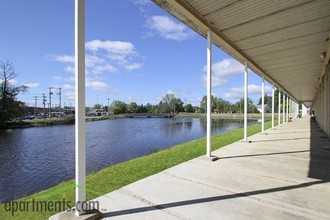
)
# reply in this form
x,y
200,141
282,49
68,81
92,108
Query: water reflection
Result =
x,y
37,158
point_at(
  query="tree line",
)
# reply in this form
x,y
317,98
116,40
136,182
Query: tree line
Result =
x,y
172,104
11,108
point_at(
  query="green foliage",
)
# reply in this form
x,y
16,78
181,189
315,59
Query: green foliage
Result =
x,y
97,106
132,107
189,108
119,175
10,108
118,107
203,106
174,104
69,119
239,106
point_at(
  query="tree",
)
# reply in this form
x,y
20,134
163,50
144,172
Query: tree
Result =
x,y
239,106
132,107
189,108
142,109
223,105
10,108
97,106
118,107
163,107
168,99
151,108
177,105
174,104
203,103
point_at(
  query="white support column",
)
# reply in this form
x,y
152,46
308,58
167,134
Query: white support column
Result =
x,y
287,108
245,99
273,105
283,108
209,95
80,135
263,104
279,106
297,109
303,110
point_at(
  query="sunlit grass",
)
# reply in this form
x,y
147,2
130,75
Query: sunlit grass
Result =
x,y
119,175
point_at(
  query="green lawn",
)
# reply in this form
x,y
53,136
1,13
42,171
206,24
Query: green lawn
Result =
x,y
119,175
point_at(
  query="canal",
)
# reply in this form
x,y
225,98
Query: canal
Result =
x,y
33,159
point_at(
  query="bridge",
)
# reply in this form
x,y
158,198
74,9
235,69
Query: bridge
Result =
x,y
150,115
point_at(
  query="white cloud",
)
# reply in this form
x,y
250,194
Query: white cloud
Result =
x,y
168,28
133,66
104,68
105,57
11,82
69,95
67,86
130,99
117,47
141,2
238,92
223,69
57,77
69,69
70,79
99,86
32,85
92,60
64,58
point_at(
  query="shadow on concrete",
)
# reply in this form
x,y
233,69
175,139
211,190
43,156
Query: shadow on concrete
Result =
x,y
208,199
319,167
287,139
268,154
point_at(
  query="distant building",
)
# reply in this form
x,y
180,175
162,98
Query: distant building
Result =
x,y
97,112
267,108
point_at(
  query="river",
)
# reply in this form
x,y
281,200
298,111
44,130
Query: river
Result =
x,y
33,159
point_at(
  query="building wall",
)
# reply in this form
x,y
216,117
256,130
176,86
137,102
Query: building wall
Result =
x,y
321,105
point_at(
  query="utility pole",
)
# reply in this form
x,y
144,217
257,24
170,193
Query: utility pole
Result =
x,y
35,104
44,102
50,102
59,94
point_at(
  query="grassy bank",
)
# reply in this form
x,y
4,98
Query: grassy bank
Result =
x,y
57,121
268,116
117,176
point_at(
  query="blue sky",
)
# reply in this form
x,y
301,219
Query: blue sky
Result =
x,y
135,51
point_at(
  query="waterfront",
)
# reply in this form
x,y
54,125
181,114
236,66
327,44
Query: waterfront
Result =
x,y
38,158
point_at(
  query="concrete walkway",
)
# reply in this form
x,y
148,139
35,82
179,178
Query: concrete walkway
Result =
x,y
283,174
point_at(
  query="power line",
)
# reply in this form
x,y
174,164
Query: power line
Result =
x,y
59,94
44,102
50,101
35,104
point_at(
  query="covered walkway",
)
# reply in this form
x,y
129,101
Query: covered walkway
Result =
x,y
283,174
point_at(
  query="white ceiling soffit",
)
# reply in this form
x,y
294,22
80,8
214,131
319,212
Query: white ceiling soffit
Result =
x,y
281,39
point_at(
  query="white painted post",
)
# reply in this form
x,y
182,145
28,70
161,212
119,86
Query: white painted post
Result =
x,y
279,106
297,109
209,95
287,108
245,99
80,136
263,104
273,105
283,108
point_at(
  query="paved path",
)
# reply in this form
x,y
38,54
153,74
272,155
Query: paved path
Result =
x,y
283,174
